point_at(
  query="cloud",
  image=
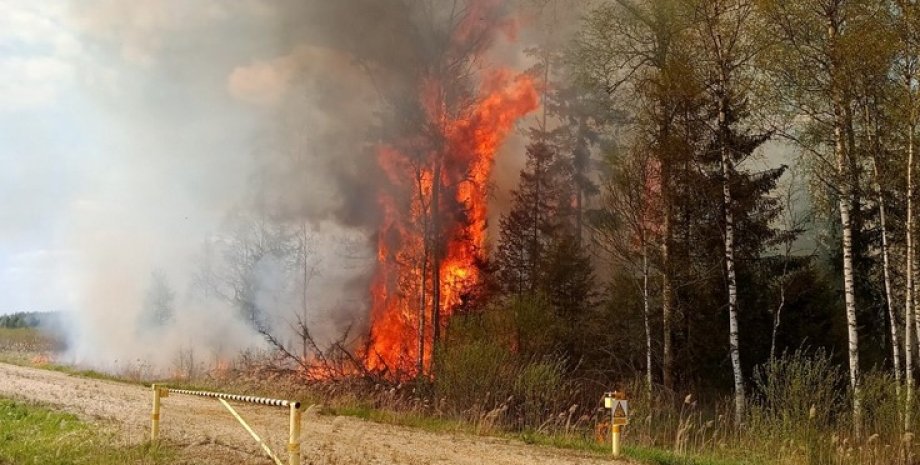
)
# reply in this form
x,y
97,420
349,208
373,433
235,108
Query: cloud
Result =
x,y
38,54
32,82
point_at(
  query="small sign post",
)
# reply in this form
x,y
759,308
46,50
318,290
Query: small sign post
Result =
x,y
619,417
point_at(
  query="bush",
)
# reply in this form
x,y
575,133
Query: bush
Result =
x,y
500,379
474,376
797,391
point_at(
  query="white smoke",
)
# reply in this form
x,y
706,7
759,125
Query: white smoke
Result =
x,y
172,135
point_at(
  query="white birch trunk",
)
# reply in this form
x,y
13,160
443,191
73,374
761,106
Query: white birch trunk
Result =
x,y
876,143
648,326
849,292
727,172
730,269
886,271
909,286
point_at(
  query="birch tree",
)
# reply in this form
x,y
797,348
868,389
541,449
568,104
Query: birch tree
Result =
x,y
631,45
625,227
906,69
816,39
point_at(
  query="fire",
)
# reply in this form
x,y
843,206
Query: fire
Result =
x,y
456,171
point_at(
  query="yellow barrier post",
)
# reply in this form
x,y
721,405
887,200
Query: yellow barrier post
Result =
x,y
619,417
155,414
294,440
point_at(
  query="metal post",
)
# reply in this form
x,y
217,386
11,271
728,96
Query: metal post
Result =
x,y
616,440
155,414
294,440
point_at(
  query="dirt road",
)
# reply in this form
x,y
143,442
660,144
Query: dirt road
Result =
x,y
205,432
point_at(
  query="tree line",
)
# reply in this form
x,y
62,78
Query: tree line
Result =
x,y
710,183
28,319
653,206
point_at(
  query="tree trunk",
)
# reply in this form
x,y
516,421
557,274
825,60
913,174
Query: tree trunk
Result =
x,y
730,259
876,144
648,326
435,264
889,297
849,292
421,308
666,291
579,208
844,202
909,284
777,315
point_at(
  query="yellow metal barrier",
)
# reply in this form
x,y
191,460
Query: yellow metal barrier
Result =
x,y
293,447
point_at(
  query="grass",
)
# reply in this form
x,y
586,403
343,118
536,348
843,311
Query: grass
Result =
x,y
25,339
574,442
33,362
664,457
699,442
32,434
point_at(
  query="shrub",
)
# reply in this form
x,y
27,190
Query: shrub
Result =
x,y
797,391
474,376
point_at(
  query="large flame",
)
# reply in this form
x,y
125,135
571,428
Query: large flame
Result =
x,y
466,156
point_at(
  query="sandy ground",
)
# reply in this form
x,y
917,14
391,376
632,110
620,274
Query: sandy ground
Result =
x,y
205,433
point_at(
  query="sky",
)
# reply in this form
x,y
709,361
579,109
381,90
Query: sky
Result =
x,y
124,127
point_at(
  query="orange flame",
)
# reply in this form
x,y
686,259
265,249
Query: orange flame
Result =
x,y
467,157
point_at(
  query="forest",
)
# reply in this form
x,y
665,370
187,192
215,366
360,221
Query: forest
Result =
x,y
717,204
713,213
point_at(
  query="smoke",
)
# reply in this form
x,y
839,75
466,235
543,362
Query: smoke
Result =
x,y
228,144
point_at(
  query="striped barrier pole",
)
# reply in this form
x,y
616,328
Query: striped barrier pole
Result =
x,y
293,445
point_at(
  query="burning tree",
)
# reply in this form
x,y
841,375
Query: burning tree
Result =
x,y
432,234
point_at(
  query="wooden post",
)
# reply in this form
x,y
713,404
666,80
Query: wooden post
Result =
x,y
155,414
294,440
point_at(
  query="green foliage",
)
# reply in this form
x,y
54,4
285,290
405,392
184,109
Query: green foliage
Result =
x,y
478,374
797,391
28,319
507,381
537,328
36,435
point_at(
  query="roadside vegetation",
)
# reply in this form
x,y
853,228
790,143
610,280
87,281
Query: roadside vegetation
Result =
x,y
796,411
32,434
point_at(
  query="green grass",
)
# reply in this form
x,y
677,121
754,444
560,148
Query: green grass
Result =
x,y
31,434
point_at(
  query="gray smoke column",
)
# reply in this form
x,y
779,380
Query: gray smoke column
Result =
x,y
227,147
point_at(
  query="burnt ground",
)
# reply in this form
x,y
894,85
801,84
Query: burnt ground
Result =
x,y
205,433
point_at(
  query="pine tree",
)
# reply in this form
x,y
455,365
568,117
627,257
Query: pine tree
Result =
x,y
527,230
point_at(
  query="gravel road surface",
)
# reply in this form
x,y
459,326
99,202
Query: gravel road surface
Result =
x,y
205,433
